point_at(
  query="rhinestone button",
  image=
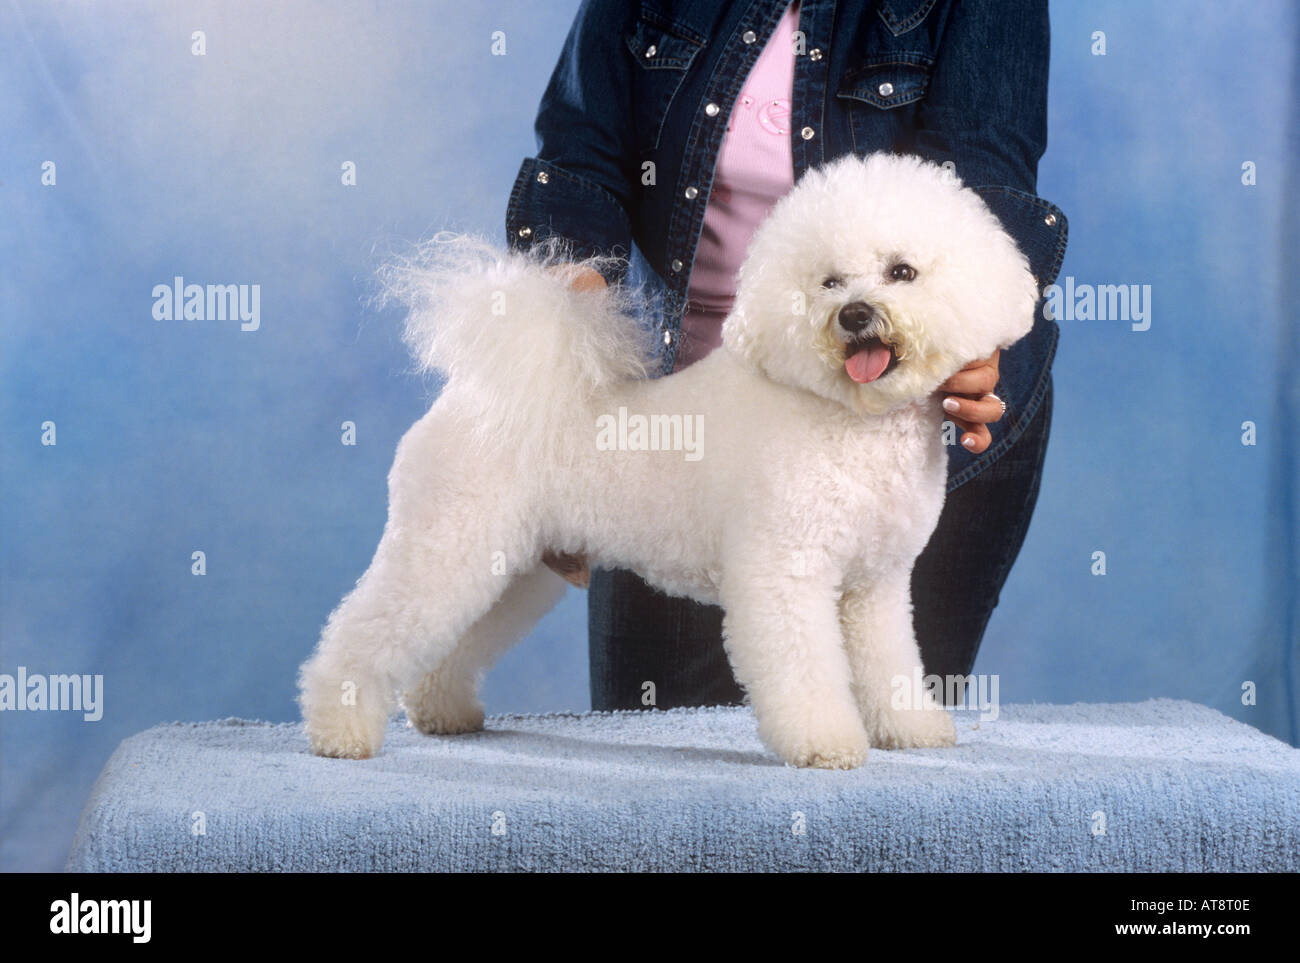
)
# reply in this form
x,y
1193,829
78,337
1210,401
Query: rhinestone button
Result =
x,y
543,177
1050,220
692,193
815,53
885,89
712,109
668,338
807,133
525,232
651,50
749,36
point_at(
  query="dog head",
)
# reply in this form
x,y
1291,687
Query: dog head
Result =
x,y
875,280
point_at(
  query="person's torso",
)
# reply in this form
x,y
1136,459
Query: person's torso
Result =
x,y
856,88
861,74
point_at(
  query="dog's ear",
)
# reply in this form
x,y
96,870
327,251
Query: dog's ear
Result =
x,y
1008,276
1008,289
738,334
1020,304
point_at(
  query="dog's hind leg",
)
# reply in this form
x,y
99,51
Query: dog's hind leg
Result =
x,y
406,615
886,662
346,687
450,549
446,700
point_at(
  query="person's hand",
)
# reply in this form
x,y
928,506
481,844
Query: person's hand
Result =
x,y
587,279
575,569
971,404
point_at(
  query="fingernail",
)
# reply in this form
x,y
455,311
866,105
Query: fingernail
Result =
x,y
968,442
950,404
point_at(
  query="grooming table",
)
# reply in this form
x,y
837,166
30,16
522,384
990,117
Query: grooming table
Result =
x,y
1153,786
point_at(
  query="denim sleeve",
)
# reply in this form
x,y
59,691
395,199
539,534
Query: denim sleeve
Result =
x,y
579,186
986,112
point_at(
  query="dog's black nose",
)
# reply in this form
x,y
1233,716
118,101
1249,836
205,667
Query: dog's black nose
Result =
x,y
855,316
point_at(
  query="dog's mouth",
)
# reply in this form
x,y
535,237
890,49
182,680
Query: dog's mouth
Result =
x,y
869,359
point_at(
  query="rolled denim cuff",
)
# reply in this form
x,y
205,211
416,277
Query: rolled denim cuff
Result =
x,y
1039,227
550,201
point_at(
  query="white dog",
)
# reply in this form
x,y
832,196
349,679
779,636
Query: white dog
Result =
x,y
819,480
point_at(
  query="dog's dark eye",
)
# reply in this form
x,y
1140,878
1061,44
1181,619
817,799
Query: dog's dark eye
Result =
x,y
832,281
902,272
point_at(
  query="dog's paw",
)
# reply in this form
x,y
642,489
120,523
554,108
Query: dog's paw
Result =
x,y
445,719
827,741
844,756
344,714
929,727
344,732
443,706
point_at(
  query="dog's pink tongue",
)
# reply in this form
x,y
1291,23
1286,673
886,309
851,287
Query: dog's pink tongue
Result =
x,y
867,364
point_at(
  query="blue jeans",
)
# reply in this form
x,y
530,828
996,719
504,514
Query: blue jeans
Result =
x,y
639,635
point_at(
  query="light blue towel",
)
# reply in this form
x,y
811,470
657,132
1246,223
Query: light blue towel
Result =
x,y
1155,786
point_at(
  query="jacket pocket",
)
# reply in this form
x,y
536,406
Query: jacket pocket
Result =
x,y
879,94
888,81
663,51
900,16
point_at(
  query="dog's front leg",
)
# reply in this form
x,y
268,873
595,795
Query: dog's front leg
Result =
x,y
886,664
783,639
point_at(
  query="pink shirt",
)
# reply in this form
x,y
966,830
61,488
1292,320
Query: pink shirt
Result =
x,y
755,169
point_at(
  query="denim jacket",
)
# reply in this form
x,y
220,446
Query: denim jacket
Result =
x,y
631,123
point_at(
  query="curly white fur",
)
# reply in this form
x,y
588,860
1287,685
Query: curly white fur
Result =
x,y
813,496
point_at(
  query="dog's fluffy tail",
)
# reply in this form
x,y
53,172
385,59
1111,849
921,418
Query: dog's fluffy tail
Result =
x,y
517,343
